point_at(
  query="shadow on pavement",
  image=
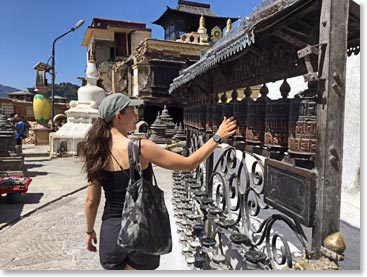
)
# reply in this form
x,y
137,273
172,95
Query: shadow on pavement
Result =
x,y
10,212
36,173
352,238
33,165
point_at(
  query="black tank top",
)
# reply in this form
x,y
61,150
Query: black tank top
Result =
x,y
114,184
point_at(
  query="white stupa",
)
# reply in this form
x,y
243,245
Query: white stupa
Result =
x,y
80,116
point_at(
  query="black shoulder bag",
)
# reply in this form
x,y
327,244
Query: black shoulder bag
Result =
x,y
145,223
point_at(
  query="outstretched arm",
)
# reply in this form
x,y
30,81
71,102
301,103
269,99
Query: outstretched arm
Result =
x,y
151,152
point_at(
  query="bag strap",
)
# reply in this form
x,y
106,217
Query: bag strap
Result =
x,y
137,160
155,180
138,164
131,161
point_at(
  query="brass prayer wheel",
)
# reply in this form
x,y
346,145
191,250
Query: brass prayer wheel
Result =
x,y
302,141
240,111
227,108
276,124
217,114
240,114
201,112
209,117
255,122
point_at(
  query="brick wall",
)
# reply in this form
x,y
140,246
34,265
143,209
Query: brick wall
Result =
x,y
25,108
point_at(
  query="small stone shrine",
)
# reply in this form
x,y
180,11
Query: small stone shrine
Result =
x,y
158,129
163,128
179,140
168,121
180,134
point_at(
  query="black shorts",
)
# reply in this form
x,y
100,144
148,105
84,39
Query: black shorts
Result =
x,y
114,257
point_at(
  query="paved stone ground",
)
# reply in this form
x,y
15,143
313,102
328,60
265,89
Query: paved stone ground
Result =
x,y
51,179
50,235
51,238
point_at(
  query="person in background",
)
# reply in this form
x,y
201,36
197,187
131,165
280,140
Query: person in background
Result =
x,y
19,128
106,164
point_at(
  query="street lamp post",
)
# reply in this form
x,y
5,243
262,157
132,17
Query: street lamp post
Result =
x,y
77,25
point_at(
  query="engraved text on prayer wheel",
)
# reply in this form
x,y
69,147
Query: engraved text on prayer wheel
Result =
x,y
302,127
276,123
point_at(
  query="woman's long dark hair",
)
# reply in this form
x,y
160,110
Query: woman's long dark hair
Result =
x,y
95,149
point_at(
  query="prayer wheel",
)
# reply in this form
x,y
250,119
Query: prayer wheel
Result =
x,y
302,141
276,124
240,111
209,117
201,116
217,114
255,122
227,108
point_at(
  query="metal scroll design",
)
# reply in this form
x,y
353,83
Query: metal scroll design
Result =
x,y
237,187
196,140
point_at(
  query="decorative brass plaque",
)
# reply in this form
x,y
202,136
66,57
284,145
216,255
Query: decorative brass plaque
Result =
x,y
291,190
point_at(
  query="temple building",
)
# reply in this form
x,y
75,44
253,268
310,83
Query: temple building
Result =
x,y
110,42
131,62
186,17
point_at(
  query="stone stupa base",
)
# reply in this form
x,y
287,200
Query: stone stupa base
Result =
x,y
41,136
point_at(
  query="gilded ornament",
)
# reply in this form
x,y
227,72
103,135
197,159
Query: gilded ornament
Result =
x,y
335,242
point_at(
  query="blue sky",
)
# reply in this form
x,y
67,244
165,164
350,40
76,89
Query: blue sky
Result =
x,y
28,28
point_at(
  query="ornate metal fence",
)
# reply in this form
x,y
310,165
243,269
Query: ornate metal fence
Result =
x,y
253,208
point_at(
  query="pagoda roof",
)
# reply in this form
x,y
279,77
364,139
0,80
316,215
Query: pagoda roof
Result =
x,y
259,26
188,9
196,8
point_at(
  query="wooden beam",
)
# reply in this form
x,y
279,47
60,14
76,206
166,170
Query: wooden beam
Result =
x,y
290,39
288,18
330,120
297,33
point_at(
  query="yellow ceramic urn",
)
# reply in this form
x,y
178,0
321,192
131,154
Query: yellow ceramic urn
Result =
x,y
42,108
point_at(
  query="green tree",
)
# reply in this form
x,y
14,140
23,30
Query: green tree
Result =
x,y
67,90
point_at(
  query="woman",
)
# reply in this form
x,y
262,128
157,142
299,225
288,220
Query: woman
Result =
x,y
106,164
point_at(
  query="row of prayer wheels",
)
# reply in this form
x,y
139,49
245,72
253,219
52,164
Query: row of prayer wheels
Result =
x,y
279,125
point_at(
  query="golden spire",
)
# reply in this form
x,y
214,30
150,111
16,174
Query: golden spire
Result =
x,y
229,25
202,28
202,22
